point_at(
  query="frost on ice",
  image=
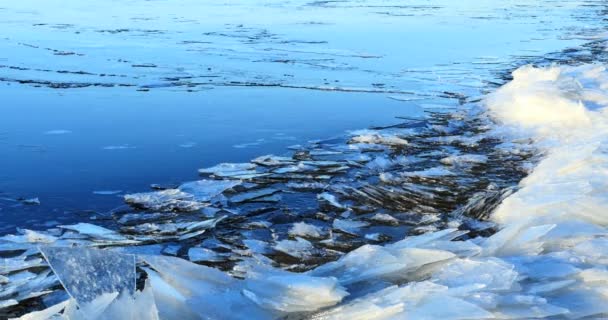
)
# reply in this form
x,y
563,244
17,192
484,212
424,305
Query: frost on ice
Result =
x,y
88,273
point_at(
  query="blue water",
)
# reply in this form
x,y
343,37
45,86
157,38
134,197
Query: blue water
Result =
x,y
209,82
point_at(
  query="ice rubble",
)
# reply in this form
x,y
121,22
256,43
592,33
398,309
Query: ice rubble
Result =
x,y
548,259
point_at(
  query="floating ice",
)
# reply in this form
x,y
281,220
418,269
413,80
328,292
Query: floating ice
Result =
x,y
205,190
189,196
165,200
375,137
227,170
95,231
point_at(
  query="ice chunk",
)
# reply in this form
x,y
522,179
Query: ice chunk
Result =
x,y
488,274
349,226
304,229
184,290
297,248
306,186
94,231
30,236
464,159
271,160
165,200
375,137
294,292
88,273
46,313
206,190
253,195
10,303
19,263
204,254
187,197
384,218
376,262
331,200
257,246
448,308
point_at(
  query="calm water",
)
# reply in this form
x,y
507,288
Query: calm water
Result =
x,y
114,96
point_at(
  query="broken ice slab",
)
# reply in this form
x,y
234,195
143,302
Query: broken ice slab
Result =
x,y
289,292
48,313
377,137
187,197
489,274
257,246
8,303
303,229
227,168
95,232
167,231
206,190
384,218
130,219
298,248
306,186
204,255
464,159
8,265
89,273
253,195
271,161
30,236
330,200
25,285
165,200
349,226
233,171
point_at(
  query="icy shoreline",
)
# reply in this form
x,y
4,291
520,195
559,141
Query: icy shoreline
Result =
x,y
546,261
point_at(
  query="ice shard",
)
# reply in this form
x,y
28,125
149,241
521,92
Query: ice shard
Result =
x,y
90,273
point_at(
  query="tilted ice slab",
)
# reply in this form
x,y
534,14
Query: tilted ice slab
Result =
x,y
548,260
